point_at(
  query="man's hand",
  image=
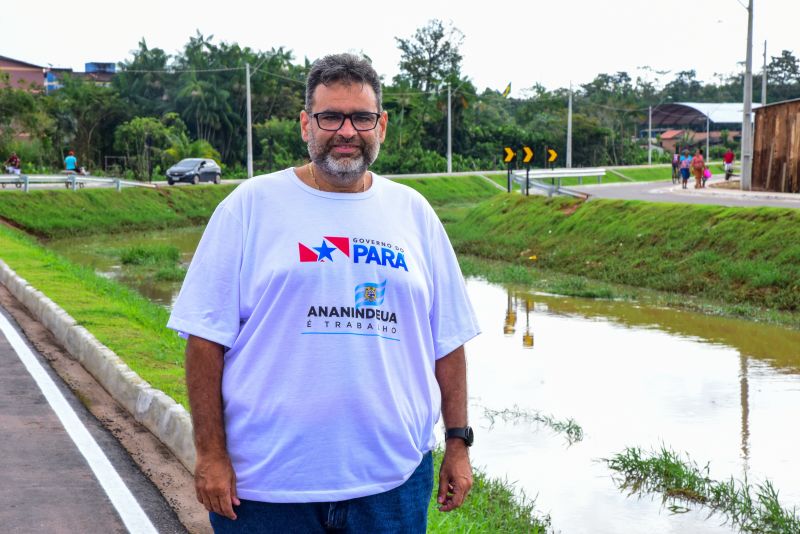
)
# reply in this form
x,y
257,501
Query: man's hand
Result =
x,y
214,479
455,476
215,484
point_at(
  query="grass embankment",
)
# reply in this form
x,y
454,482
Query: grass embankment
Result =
x,y
134,328
98,211
746,257
679,480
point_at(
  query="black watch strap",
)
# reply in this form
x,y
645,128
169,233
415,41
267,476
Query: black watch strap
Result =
x,y
464,433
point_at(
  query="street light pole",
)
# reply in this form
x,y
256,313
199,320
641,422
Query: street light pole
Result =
x,y
249,125
449,133
747,122
569,129
764,78
649,135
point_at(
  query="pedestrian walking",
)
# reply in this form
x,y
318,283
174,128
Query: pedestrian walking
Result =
x,y
685,163
326,316
676,163
698,169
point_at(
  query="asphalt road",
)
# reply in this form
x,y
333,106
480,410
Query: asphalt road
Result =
x,y
668,192
62,471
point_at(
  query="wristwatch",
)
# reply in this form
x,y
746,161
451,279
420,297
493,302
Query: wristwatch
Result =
x,y
464,433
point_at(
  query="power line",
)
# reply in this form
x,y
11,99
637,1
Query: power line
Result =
x,y
180,71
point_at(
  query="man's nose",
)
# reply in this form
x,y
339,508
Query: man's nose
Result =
x,y
347,129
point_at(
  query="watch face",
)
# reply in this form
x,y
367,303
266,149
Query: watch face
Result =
x,y
470,435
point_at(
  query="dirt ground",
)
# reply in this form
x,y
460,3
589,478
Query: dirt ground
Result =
x,y
171,478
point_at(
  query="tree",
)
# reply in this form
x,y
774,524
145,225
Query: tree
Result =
x,y
431,55
142,139
145,82
784,69
87,115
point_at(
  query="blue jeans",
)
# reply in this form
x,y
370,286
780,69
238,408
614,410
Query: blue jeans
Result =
x,y
402,510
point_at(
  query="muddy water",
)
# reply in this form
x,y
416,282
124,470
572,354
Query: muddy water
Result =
x,y
101,253
726,392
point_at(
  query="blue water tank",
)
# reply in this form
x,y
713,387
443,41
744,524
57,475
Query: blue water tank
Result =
x,y
100,67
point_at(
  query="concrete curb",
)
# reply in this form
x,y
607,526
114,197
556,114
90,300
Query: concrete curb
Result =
x,y
159,413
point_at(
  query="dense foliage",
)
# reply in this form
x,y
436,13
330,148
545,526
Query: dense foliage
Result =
x,y
161,107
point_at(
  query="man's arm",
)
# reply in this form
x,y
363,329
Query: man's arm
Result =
x,y
215,481
455,475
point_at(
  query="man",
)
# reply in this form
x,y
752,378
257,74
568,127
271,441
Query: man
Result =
x,y
727,160
326,317
13,164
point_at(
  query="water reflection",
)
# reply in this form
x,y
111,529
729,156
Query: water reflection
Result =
x,y
744,388
722,391
509,325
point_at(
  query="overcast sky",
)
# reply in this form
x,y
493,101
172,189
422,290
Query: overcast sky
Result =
x,y
523,42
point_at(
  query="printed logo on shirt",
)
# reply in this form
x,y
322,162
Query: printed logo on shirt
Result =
x,y
364,251
323,252
363,319
370,294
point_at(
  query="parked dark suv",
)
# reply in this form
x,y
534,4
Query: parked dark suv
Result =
x,y
194,170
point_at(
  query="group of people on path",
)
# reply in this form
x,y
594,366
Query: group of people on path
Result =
x,y
684,165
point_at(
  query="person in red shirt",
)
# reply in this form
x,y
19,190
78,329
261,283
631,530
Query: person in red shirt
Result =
x,y
728,158
13,164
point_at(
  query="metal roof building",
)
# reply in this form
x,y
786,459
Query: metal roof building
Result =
x,y
695,113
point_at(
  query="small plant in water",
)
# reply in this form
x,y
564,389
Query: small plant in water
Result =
x,y
569,428
150,255
751,508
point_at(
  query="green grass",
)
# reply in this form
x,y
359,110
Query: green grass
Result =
x,y
451,190
130,325
682,482
571,430
491,507
150,255
740,256
59,213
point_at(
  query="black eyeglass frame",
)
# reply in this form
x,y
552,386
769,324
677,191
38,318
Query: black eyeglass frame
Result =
x,y
346,116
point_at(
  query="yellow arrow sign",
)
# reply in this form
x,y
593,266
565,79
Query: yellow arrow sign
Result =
x,y
553,155
528,154
510,155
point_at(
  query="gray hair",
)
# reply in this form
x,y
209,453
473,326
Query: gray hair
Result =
x,y
342,68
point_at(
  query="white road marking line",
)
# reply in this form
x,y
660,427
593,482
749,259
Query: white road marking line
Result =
x,y
128,508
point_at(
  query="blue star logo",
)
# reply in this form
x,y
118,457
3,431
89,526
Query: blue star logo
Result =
x,y
324,251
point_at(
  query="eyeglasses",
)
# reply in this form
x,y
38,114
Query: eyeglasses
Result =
x,y
331,121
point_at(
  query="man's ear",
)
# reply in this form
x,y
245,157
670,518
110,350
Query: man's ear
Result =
x,y
304,122
382,122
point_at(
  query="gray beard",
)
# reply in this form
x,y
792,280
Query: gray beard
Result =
x,y
344,172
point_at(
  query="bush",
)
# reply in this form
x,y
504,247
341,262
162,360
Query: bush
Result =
x,y
150,255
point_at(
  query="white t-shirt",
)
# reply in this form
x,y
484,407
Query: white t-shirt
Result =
x,y
334,308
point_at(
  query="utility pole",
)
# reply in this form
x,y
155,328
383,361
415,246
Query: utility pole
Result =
x,y
569,128
764,78
708,135
649,135
449,133
249,125
747,121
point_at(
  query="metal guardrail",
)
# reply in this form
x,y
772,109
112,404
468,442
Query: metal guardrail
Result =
x,y
72,181
538,178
